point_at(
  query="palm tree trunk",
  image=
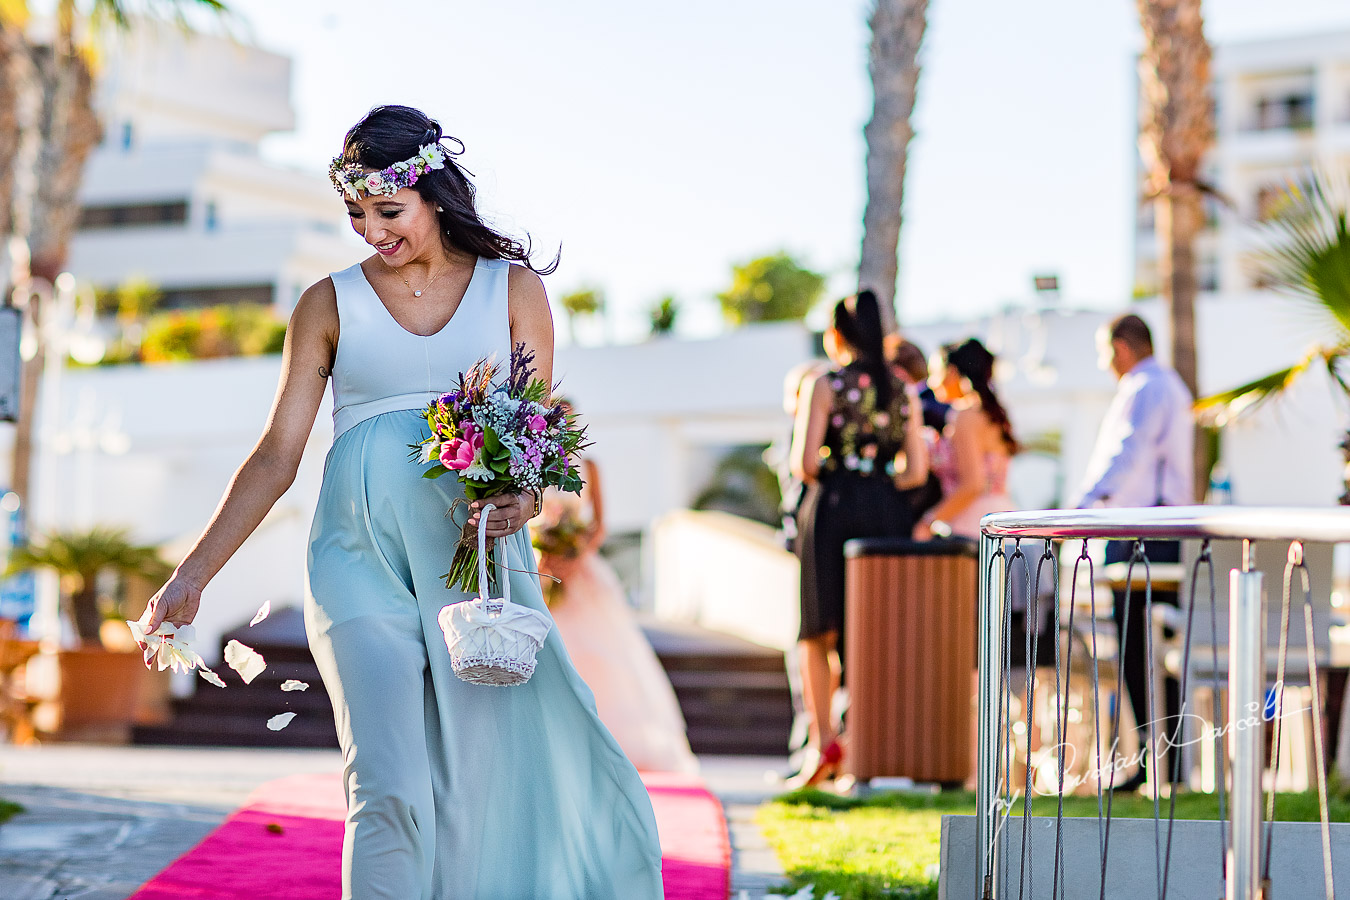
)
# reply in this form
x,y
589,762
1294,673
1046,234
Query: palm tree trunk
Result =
x,y
1175,132
893,61
84,611
13,63
71,131
53,148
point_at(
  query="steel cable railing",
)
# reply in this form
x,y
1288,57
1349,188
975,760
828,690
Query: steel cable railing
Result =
x,y
1244,868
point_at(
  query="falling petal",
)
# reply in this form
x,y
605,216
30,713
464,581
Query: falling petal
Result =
x,y
276,723
263,612
292,685
211,676
244,660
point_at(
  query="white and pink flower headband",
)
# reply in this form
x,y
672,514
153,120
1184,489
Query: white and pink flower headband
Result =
x,y
353,180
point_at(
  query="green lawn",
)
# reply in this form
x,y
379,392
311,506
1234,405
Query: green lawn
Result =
x,y
887,846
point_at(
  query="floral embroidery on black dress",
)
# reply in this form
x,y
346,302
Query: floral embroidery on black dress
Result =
x,y
859,437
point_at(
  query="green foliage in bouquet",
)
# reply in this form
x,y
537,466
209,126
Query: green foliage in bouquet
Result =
x,y
499,436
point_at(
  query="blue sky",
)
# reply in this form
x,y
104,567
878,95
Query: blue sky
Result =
x,y
660,144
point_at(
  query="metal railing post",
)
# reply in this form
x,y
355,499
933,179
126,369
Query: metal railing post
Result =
x,y
1246,718
990,625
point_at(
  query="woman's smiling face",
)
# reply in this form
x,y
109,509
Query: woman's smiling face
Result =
x,y
401,228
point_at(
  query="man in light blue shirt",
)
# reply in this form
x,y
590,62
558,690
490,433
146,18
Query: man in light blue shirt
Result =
x,y
1143,457
1144,451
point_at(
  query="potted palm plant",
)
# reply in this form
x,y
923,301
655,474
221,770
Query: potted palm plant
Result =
x,y
93,691
1306,257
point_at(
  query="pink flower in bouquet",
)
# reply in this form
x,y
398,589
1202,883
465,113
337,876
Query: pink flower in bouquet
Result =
x,y
538,423
457,454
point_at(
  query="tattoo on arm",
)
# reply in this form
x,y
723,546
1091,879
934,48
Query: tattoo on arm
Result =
x,y
324,372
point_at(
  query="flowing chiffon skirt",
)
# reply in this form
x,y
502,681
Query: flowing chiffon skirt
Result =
x,y
612,655
455,791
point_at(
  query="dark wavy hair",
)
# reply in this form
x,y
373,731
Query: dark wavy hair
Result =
x,y
389,134
857,321
973,362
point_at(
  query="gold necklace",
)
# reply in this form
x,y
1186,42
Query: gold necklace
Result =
x,y
425,286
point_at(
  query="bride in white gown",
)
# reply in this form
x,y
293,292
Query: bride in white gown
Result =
x,y
601,633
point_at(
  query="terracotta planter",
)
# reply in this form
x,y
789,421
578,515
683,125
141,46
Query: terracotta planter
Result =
x,y
88,694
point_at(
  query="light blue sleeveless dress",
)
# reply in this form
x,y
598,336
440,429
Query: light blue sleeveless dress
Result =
x,y
454,791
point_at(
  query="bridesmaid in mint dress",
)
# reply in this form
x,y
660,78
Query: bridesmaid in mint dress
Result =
x,y
454,791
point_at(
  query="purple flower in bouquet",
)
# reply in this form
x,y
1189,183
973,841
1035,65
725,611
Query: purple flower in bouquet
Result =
x,y
499,435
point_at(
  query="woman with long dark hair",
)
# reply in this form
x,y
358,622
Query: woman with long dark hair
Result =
x,y
454,790
971,455
856,445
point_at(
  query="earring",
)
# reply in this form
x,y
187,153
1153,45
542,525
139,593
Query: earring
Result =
x,y
438,209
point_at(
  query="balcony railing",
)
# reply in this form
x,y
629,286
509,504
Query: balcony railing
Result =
x,y
1004,562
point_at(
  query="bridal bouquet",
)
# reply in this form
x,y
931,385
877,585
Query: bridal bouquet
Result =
x,y
499,436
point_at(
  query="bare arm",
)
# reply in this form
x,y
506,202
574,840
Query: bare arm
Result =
x,y
270,467
967,430
915,471
531,324
808,432
595,496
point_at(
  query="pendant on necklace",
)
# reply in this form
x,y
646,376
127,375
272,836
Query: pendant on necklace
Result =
x,y
417,293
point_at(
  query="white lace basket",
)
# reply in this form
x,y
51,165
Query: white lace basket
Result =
x,y
492,641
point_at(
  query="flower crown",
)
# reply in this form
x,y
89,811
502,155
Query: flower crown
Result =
x,y
352,179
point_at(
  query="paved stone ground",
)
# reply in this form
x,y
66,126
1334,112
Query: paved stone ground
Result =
x,y
101,821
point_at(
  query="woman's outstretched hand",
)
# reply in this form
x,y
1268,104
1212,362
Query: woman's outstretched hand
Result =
x,y
177,602
511,514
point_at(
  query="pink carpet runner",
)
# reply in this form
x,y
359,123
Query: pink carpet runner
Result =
x,y
285,843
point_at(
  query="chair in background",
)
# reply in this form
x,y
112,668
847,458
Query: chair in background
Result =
x,y
15,708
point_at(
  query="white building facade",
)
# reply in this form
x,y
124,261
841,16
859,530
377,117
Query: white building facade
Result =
x,y
1282,107
177,194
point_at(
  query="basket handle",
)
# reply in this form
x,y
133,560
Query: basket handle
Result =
x,y
483,586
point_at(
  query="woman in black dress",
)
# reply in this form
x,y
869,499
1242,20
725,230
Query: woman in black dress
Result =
x,y
857,444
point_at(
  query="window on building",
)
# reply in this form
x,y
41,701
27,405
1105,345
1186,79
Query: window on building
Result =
x,y
1292,110
215,295
131,215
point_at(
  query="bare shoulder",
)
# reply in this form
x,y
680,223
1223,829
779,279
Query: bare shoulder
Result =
x,y
316,311
524,285
318,300
822,392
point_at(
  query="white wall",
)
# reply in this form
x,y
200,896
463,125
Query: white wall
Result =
x,y
654,409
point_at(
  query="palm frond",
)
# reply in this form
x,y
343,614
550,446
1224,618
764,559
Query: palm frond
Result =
x,y
86,553
1222,408
1333,360
1308,247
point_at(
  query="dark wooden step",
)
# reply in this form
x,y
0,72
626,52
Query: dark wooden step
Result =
x,y
217,731
734,694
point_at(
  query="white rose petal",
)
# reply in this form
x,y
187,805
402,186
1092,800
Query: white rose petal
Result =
x,y
276,723
431,450
263,612
292,685
244,660
211,676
